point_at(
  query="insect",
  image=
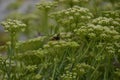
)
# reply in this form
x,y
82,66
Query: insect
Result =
x,y
56,37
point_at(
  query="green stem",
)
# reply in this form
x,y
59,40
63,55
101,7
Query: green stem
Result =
x,y
54,71
86,50
11,52
107,69
45,22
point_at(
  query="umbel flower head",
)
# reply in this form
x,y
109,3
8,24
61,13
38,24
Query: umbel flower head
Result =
x,y
111,14
46,5
97,32
13,26
70,18
104,21
73,14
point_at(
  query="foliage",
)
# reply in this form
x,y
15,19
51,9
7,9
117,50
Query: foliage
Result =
x,y
77,41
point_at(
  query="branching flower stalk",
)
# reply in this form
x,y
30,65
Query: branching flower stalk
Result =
x,y
12,26
45,7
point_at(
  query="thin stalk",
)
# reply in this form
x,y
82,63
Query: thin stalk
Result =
x,y
62,60
86,50
54,71
107,69
11,52
5,67
93,74
45,22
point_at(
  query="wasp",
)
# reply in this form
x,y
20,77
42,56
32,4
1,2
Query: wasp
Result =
x,y
56,37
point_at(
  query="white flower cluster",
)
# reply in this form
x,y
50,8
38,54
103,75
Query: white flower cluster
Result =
x,y
61,44
70,19
105,21
13,26
46,5
110,22
111,14
73,13
97,32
